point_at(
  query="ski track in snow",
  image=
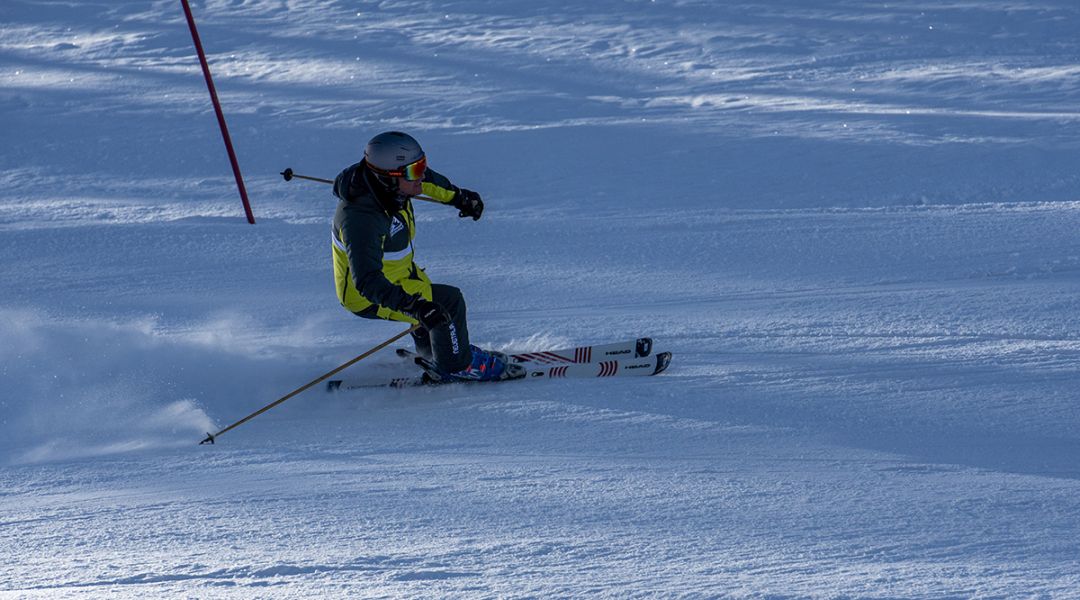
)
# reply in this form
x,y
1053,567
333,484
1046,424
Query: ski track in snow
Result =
x,y
853,223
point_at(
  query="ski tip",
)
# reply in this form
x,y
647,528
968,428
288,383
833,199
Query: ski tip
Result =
x,y
663,360
644,347
209,439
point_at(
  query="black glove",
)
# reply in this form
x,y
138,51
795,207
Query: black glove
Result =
x,y
469,203
430,314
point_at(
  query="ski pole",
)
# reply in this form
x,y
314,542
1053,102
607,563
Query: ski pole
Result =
x,y
210,437
289,175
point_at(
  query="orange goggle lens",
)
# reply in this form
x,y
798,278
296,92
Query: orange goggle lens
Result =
x,y
412,171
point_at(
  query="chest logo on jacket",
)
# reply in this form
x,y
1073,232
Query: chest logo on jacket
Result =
x,y
396,226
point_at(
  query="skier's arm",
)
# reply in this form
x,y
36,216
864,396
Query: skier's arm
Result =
x,y
437,186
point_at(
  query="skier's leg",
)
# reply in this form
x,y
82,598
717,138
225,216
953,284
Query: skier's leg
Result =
x,y
420,336
454,356
422,341
450,343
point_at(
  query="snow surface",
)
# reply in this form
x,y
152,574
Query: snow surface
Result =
x,y
854,223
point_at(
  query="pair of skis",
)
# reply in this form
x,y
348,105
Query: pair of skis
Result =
x,y
632,358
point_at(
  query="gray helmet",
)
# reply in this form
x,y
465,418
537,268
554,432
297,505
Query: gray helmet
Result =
x,y
390,152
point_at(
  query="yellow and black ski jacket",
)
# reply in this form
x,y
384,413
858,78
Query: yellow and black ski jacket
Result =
x,y
371,243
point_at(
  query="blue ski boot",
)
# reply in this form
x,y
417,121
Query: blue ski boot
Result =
x,y
485,366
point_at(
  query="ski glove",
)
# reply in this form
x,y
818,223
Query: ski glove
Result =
x,y
430,314
469,203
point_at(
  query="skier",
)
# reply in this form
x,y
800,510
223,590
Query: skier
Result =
x,y
374,272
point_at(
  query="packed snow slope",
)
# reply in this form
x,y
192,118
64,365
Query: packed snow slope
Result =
x,y
854,223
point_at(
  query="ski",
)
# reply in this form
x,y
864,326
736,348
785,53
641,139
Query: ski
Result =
x,y
636,367
633,367
638,348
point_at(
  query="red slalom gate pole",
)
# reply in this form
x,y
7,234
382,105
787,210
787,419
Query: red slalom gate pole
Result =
x,y
217,109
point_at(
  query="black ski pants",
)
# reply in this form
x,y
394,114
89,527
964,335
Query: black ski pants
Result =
x,y
447,344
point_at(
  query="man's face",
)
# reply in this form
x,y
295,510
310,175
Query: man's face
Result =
x,y
409,188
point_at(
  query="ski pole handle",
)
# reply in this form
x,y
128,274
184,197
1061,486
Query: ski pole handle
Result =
x,y
288,175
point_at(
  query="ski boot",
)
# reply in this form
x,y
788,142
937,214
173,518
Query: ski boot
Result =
x,y
486,365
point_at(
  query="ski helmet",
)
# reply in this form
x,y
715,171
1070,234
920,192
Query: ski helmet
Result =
x,y
396,154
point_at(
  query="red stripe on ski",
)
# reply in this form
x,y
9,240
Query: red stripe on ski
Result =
x,y
544,358
557,358
557,372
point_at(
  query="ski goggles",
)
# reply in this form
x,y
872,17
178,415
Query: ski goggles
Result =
x,y
410,172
